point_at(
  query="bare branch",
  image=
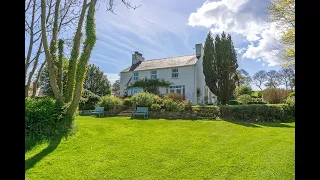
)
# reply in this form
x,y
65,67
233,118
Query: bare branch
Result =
x,y
128,5
28,6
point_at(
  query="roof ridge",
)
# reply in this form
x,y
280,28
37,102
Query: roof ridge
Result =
x,y
169,57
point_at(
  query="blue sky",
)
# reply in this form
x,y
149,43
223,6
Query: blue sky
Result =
x,y
164,28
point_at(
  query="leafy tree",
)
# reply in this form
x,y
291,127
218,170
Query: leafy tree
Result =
x,y
241,90
220,66
116,87
273,79
96,81
78,61
150,85
282,12
244,79
259,78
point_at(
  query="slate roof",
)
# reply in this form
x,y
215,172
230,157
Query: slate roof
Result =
x,y
168,62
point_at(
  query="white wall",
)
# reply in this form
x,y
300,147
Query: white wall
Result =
x,y
186,78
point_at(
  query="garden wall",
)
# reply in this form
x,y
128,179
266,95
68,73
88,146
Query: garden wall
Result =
x,y
251,113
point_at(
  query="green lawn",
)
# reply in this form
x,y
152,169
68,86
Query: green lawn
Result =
x,y
120,148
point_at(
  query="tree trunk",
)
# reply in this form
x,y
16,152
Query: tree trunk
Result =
x,y
34,90
60,71
34,67
84,59
52,76
30,42
74,55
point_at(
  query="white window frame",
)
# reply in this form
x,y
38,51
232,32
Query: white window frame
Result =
x,y
135,76
175,74
153,74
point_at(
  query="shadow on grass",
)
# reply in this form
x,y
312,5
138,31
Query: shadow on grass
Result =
x,y
54,143
259,124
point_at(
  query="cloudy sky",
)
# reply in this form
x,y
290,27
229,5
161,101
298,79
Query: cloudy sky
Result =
x,y
164,28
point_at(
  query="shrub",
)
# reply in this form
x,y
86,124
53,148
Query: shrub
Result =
x,y
127,102
275,95
257,112
292,94
260,94
207,111
171,105
155,107
233,102
240,90
244,99
45,118
109,102
144,99
89,100
206,100
176,96
187,105
256,102
291,102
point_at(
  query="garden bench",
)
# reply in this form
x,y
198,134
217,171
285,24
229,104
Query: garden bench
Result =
x,y
141,111
98,111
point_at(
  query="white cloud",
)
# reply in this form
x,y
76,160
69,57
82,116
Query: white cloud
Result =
x,y
266,48
241,17
231,16
112,77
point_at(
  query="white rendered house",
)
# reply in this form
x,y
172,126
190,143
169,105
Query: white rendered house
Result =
x,y
184,72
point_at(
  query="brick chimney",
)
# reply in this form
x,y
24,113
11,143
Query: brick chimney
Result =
x,y
137,57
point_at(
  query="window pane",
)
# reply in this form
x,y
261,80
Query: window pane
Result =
x,y
179,91
153,72
171,90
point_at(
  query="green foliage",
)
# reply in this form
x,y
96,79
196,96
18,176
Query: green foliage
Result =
x,y
150,85
207,111
233,102
275,95
292,94
176,96
219,64
170,105
260,94
198,95
256,102
109,102
257,112
187,105
205,99
244,99
282,12
127,102
240,90
96,81
144,99
44,118
155,107
89,100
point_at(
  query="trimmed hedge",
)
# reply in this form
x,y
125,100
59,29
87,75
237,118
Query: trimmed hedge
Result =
x,y
257,112
233,102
